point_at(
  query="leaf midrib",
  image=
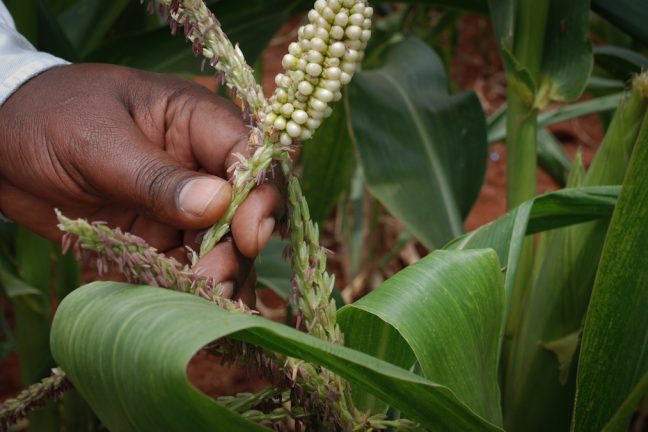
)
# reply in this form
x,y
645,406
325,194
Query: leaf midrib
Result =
x,y
437,170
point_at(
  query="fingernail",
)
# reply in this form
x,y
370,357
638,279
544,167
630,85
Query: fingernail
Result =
x,y
227,288
265,231
198,194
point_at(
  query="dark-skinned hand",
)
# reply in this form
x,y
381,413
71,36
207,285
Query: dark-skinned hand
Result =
x,y
144,152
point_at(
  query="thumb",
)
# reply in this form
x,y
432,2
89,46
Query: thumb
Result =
x,y
202,199
142,176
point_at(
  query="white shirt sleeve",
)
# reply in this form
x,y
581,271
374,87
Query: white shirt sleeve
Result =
x,y
19,60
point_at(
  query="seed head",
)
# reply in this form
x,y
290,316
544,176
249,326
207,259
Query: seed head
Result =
x,y
327,53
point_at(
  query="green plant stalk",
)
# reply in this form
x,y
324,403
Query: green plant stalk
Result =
x,y
313,286
33,322
540,385
521,155
521,138
522,115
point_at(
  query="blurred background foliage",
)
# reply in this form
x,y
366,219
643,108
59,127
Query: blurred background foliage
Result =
x,y
403,141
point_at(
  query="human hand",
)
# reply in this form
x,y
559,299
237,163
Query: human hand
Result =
x,y
144,152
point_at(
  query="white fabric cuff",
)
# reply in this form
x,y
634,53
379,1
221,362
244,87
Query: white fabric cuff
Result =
x,y
23,67
19,60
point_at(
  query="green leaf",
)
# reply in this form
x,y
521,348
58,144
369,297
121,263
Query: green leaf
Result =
x,y
552,157
553,210
564,349
497,128
619,421
571,111
24,14
126,350
15,288
273,270
33,315
468,5
539,386
619,62
567,59
614,353
251,27
87,22
328,164
561,70
630,16
423,151
153,50
51,37
448,308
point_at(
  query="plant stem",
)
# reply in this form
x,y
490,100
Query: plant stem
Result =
x,y
521,138
31,398
522,122
33,316
520,150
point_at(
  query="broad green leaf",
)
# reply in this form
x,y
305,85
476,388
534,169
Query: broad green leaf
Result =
x,y
630,16
126,349
153,50
251,27
553,210
88,21
328,164
539,71
448,308
51,37
540,384
423,152
614,352
468,5
567,59
273,270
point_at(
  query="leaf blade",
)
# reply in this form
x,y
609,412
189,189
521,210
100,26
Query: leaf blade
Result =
x,y
423,152
127,327
449,309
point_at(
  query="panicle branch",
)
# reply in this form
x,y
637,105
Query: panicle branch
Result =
x,y
33,397
136,260
204,31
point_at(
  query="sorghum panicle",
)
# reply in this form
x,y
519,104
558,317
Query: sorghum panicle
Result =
x,y
33,397
328,51
205,33
136,260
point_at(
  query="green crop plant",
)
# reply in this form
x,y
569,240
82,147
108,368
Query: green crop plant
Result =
x,y
535,321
